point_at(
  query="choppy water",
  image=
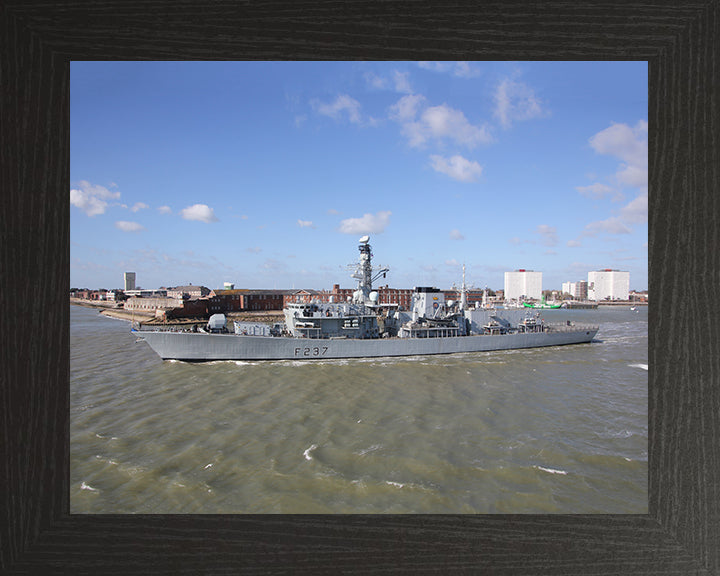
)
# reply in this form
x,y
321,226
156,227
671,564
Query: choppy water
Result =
x,y
553,430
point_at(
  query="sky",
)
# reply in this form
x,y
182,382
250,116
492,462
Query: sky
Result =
x,y
266,174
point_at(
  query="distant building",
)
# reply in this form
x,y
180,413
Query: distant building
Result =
x,y
129,281
245,300
399,296
608,285
189,291
263,299
523,285
639,296
473,295
578,290
146,293
302,295
394,296
167,308
149,304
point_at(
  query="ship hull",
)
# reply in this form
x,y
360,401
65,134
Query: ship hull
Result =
x,y
205,347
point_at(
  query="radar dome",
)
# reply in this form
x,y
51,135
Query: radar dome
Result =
x,y
374,296
364,239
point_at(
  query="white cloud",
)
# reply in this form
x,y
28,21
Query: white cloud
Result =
x,y
574,243
91,199
368,224
466,70
375,81
460,69
402,84
305,224
626,143
612,225
547,237
332,212
516,102
407,108
273,265
637,210
343,106
200,212
456,235
548,234
595,190
456,167
633,176
441,123
630,146
398,82
165,210
139,206
128,226
438,123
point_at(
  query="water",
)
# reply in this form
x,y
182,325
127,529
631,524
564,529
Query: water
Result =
x,y
553,430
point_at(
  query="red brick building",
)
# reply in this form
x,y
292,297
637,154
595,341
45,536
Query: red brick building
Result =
x,y
473,296
263,299
304,296
387,295
245,300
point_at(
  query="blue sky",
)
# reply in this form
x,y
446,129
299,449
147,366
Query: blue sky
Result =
x,y
265,174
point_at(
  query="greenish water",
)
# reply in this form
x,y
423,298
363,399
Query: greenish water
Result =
x,y
550,430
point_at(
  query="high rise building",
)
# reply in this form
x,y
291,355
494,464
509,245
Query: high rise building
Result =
x,y
523,284
129,281
578,290
608,285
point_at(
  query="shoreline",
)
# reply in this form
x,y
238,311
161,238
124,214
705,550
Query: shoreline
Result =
x,y
148,318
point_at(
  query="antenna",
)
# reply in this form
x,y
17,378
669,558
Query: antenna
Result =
x,y
363,270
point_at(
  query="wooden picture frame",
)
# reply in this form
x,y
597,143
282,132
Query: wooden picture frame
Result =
x,y
680,535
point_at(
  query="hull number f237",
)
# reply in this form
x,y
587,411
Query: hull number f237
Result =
x,y
311,351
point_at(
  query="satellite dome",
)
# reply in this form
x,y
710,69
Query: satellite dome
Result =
x,y
374,296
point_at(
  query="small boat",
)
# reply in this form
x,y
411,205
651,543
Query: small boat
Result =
x,y
542,305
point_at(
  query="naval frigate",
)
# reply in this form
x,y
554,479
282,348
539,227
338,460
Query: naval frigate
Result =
x,y
364,327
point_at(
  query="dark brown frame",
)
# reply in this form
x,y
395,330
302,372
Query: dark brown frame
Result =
x,y
680,535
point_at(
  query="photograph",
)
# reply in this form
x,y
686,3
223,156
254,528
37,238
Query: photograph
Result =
x,y
368,287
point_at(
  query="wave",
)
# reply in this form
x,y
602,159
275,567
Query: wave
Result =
x,y
550,470
368,450
307,452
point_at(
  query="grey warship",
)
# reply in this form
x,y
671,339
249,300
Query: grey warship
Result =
x,y
363,327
